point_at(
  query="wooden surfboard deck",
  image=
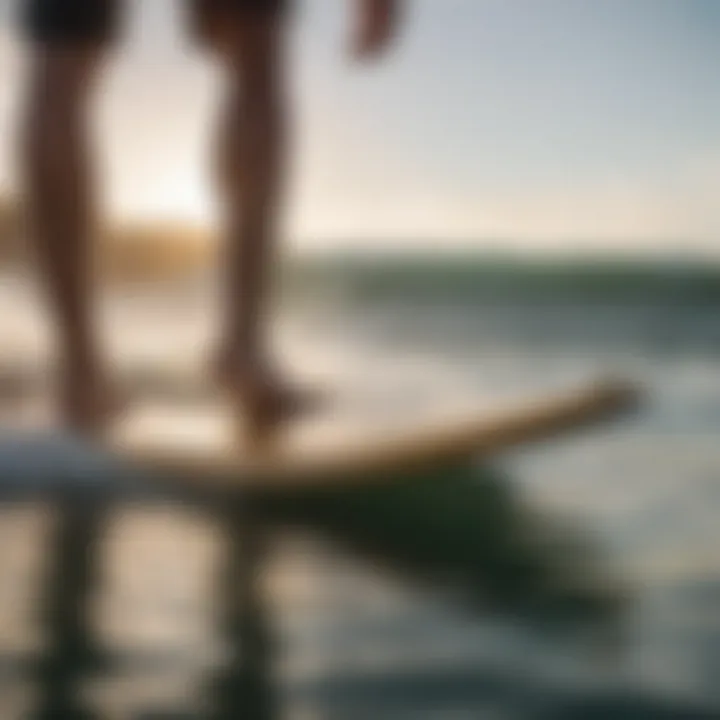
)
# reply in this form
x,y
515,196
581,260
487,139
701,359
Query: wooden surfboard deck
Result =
x,y
432,446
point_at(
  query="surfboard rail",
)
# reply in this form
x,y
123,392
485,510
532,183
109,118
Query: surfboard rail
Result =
x,y
424,449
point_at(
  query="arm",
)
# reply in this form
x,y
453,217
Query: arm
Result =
x,y
376,24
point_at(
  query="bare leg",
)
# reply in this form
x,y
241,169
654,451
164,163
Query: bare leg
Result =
x,y
250,159
249,164
61,218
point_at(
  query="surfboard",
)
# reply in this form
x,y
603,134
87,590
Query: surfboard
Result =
x,y
218,460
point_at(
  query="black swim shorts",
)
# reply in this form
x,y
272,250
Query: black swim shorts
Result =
x,y
80,21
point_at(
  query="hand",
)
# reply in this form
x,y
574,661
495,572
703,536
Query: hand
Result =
x,y
376,23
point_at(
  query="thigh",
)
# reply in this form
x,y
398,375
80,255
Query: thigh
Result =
x,y
210,18
70,22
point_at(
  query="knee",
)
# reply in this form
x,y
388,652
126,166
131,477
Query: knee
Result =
x,y
252,61
257,92
57,91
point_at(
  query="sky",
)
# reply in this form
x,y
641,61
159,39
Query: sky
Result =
x,y
524,124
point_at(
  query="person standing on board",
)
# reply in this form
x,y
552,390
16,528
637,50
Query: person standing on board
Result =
x,y
68,42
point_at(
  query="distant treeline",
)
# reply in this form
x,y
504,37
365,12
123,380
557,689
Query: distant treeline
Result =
x,y
132,252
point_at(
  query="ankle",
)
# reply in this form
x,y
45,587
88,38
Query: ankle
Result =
x,y
79,366
242,354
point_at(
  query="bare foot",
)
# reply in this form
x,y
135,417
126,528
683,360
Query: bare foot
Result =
x,y
88,405
265,400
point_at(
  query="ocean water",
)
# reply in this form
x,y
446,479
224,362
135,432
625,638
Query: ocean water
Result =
x,y
399,341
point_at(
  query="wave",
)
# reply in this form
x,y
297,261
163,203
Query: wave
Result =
x,y
473,279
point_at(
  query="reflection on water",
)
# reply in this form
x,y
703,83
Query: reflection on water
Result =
x,y
349,641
